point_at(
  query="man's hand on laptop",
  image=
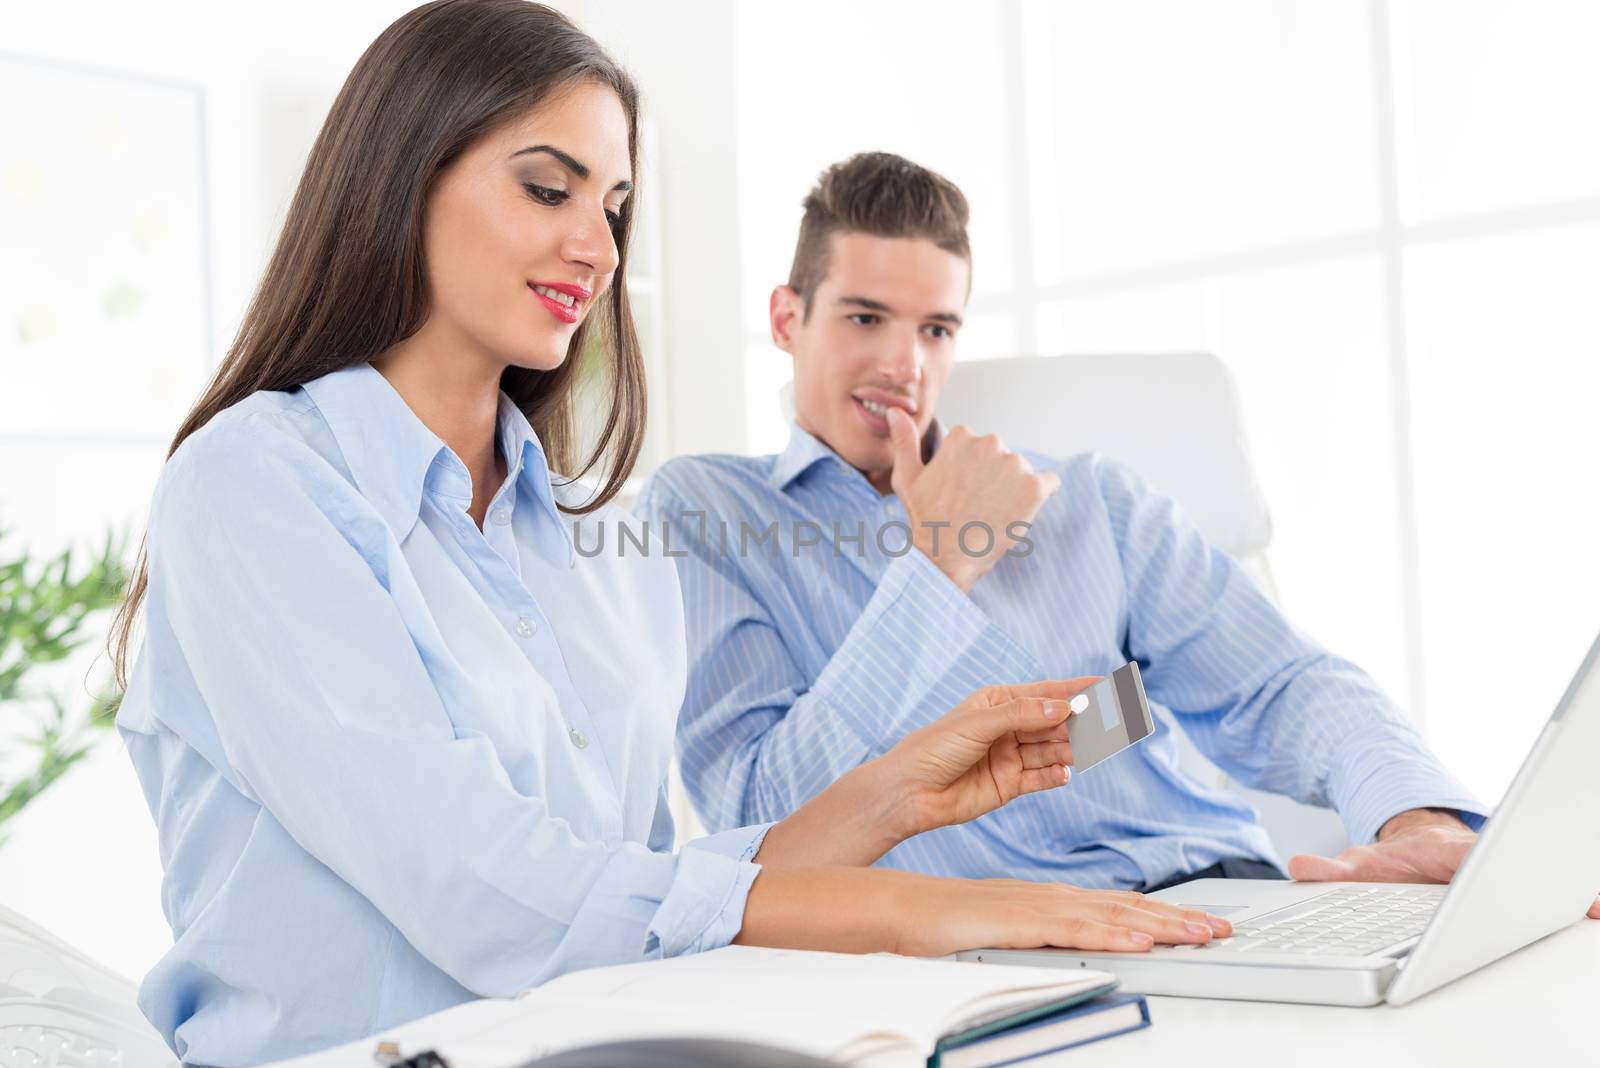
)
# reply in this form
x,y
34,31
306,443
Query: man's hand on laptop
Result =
x,y
1418,846
1421,845
971,480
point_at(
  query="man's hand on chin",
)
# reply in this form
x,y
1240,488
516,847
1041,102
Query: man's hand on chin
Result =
x,y
1418,846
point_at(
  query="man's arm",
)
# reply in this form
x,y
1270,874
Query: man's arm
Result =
x,y
1272,709
758,738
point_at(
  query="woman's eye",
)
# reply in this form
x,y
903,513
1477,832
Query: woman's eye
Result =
x,y
550,197
615,219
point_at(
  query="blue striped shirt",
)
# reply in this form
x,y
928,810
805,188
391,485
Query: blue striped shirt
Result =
x,y
806,660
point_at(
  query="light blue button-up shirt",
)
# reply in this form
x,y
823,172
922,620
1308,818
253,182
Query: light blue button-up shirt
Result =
x,y
396,761
817,647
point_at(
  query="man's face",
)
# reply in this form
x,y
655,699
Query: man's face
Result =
x,y
881,333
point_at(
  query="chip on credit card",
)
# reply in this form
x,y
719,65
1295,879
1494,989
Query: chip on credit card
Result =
x,y
1114,716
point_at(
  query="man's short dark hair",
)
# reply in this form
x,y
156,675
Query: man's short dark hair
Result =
x,y
880,194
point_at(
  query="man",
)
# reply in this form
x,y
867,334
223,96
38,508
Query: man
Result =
x,y
818,636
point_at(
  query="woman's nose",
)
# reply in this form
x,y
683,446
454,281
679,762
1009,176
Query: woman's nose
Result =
x,y
593,245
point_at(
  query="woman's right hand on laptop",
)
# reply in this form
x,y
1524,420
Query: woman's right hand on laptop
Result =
x,y
950,915
872,910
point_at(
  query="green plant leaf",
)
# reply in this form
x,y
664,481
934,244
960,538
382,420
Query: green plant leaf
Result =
x,y
47,610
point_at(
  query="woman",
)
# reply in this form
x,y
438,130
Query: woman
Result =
x,y
403,744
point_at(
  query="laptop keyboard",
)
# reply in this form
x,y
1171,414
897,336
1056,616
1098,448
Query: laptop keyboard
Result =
x,y
1345,923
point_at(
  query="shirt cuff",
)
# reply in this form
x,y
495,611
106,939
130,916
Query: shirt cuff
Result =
x,y
704,908
1381,772
739,843
919,649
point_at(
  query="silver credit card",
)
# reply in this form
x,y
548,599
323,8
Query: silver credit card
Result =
x,y
1117,715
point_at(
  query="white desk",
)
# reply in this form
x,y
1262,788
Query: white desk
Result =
x,y
1537,1007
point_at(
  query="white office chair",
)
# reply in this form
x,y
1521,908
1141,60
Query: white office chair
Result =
x,y
59,1009
1175,420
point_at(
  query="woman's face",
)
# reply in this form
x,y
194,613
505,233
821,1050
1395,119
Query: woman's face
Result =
x,y
519,232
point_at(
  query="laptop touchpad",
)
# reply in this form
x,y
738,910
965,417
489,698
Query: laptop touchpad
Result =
x,y
1215,910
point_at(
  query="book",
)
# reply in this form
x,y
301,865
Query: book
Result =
x,y
1062,1028
875,1011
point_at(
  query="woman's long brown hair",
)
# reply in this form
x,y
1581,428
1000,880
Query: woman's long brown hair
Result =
x,y
347,279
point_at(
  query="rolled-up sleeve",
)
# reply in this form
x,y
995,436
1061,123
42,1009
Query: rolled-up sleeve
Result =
x,y
273,587
1270,707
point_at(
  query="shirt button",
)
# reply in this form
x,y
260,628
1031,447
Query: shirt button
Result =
x,y
500,516
888,508
578,738
526,627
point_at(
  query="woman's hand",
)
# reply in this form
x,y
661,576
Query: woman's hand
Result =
x,y
869,910
998,744
951,915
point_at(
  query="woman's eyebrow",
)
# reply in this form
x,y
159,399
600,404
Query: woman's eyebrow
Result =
x,y
567,161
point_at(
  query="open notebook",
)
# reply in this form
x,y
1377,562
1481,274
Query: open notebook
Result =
x,y
877,1010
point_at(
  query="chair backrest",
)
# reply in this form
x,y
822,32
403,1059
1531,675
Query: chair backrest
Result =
x,y
1173,418
60,1009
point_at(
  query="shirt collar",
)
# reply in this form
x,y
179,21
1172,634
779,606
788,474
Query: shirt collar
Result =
x,y
528,466
389,450
805,450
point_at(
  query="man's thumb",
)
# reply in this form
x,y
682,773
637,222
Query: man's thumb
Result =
x,y
906,449
1310,868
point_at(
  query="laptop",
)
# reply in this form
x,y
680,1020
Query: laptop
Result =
x,y
1534,870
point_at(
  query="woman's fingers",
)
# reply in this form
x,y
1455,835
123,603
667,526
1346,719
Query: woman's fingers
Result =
x,y
1052,689
1081,933
1044,754
1034,712
1030,715
1168,927
1048,734
1130,898
1021,914
1112,920
1035,779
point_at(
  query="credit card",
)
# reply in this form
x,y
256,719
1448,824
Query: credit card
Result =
x,y
1115,716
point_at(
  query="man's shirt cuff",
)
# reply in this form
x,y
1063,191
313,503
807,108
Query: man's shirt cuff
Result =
x,y
1379,773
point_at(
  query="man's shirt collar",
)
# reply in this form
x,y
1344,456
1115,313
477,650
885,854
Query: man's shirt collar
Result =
x,y
805,450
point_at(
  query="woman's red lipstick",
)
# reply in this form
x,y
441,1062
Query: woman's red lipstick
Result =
x,y
567,313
